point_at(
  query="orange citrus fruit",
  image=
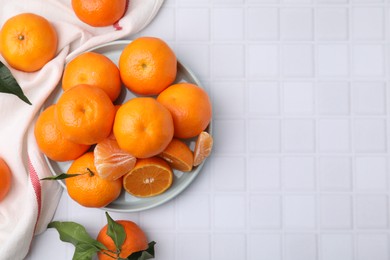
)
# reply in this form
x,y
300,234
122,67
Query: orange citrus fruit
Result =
x,y
5,179
135,241
147,66
28,41
190,107
51,141
99,13
203,147
85,114
88,189
112,162
150,177
93,69
178,155
143,127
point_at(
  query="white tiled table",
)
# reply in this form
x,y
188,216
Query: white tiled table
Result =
x,y
300,169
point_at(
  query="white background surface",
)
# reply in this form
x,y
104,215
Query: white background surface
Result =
x,y
300,166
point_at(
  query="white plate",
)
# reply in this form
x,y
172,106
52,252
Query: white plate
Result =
x,y
126,202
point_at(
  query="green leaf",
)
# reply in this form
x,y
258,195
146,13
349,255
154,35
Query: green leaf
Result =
x,y
116,232
61,176
143,254
77,235
8,84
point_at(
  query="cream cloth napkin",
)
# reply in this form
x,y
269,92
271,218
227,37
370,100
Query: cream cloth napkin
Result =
x,y
31,203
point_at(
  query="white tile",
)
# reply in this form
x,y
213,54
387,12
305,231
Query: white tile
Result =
x,y
159,217
300,247
297,1
165,16
336,247
370,135
332,1
227,60
371,173
335,173
49,245
367,60
264,173
371,211
264,98
297,60
368,23
226,218
366,1
372,246
228,23
264,135
334,135
332,60
203,180
227,1
336,211
298,135
193,2
299,212
192,24
298,98
270,249
165,244
262,23
232,130
193,246
265,211
296,23
262,61
331,23
223,241
226,93
200,66
369,98
333,98
96,217
193,211
298,173
229,173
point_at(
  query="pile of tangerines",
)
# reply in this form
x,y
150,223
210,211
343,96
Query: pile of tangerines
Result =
x,y
134,145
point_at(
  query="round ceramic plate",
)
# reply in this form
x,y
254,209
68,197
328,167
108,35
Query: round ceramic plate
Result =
x,y
126,202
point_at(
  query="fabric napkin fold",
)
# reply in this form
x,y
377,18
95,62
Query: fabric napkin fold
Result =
x,y
31,203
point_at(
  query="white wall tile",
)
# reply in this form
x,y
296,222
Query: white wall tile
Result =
x,y
227,60
371,211
371,173
369,98
367,60
167,17
372,246
264,135
265,211
296,23
222,242
228,23
299,212
336,211
332,60
159,217
297,60
335,173
226,93
300,247
334,135
298,173
298,98
229,173
193,24
193,211
226,218
370,135
264,98
262,61
336,246
232,130
368,23
264,246
192,246
262,23
331,23
298,135
263,173
333,98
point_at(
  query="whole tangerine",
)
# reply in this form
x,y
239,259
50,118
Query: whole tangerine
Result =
x,y
6,179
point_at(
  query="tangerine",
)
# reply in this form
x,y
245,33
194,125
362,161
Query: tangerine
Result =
x,y
190,107
51,141
143,127
147,66
149,177
135,241
6,179
178,155
203,147
99,13
93,69
111,161
88,189
28,41
85,114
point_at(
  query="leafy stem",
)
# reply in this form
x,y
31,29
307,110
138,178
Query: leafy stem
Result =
x,y
8,84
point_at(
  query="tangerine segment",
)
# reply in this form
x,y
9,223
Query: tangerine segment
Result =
x,y
85,114
147,66
5,179
28,41
150,177
93,69
203,147
111,161
88,189
135,241
99,13
178,155
51,141
190,107
143,127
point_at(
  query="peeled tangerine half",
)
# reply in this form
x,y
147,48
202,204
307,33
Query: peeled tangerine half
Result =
x,y
112,162
203,147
